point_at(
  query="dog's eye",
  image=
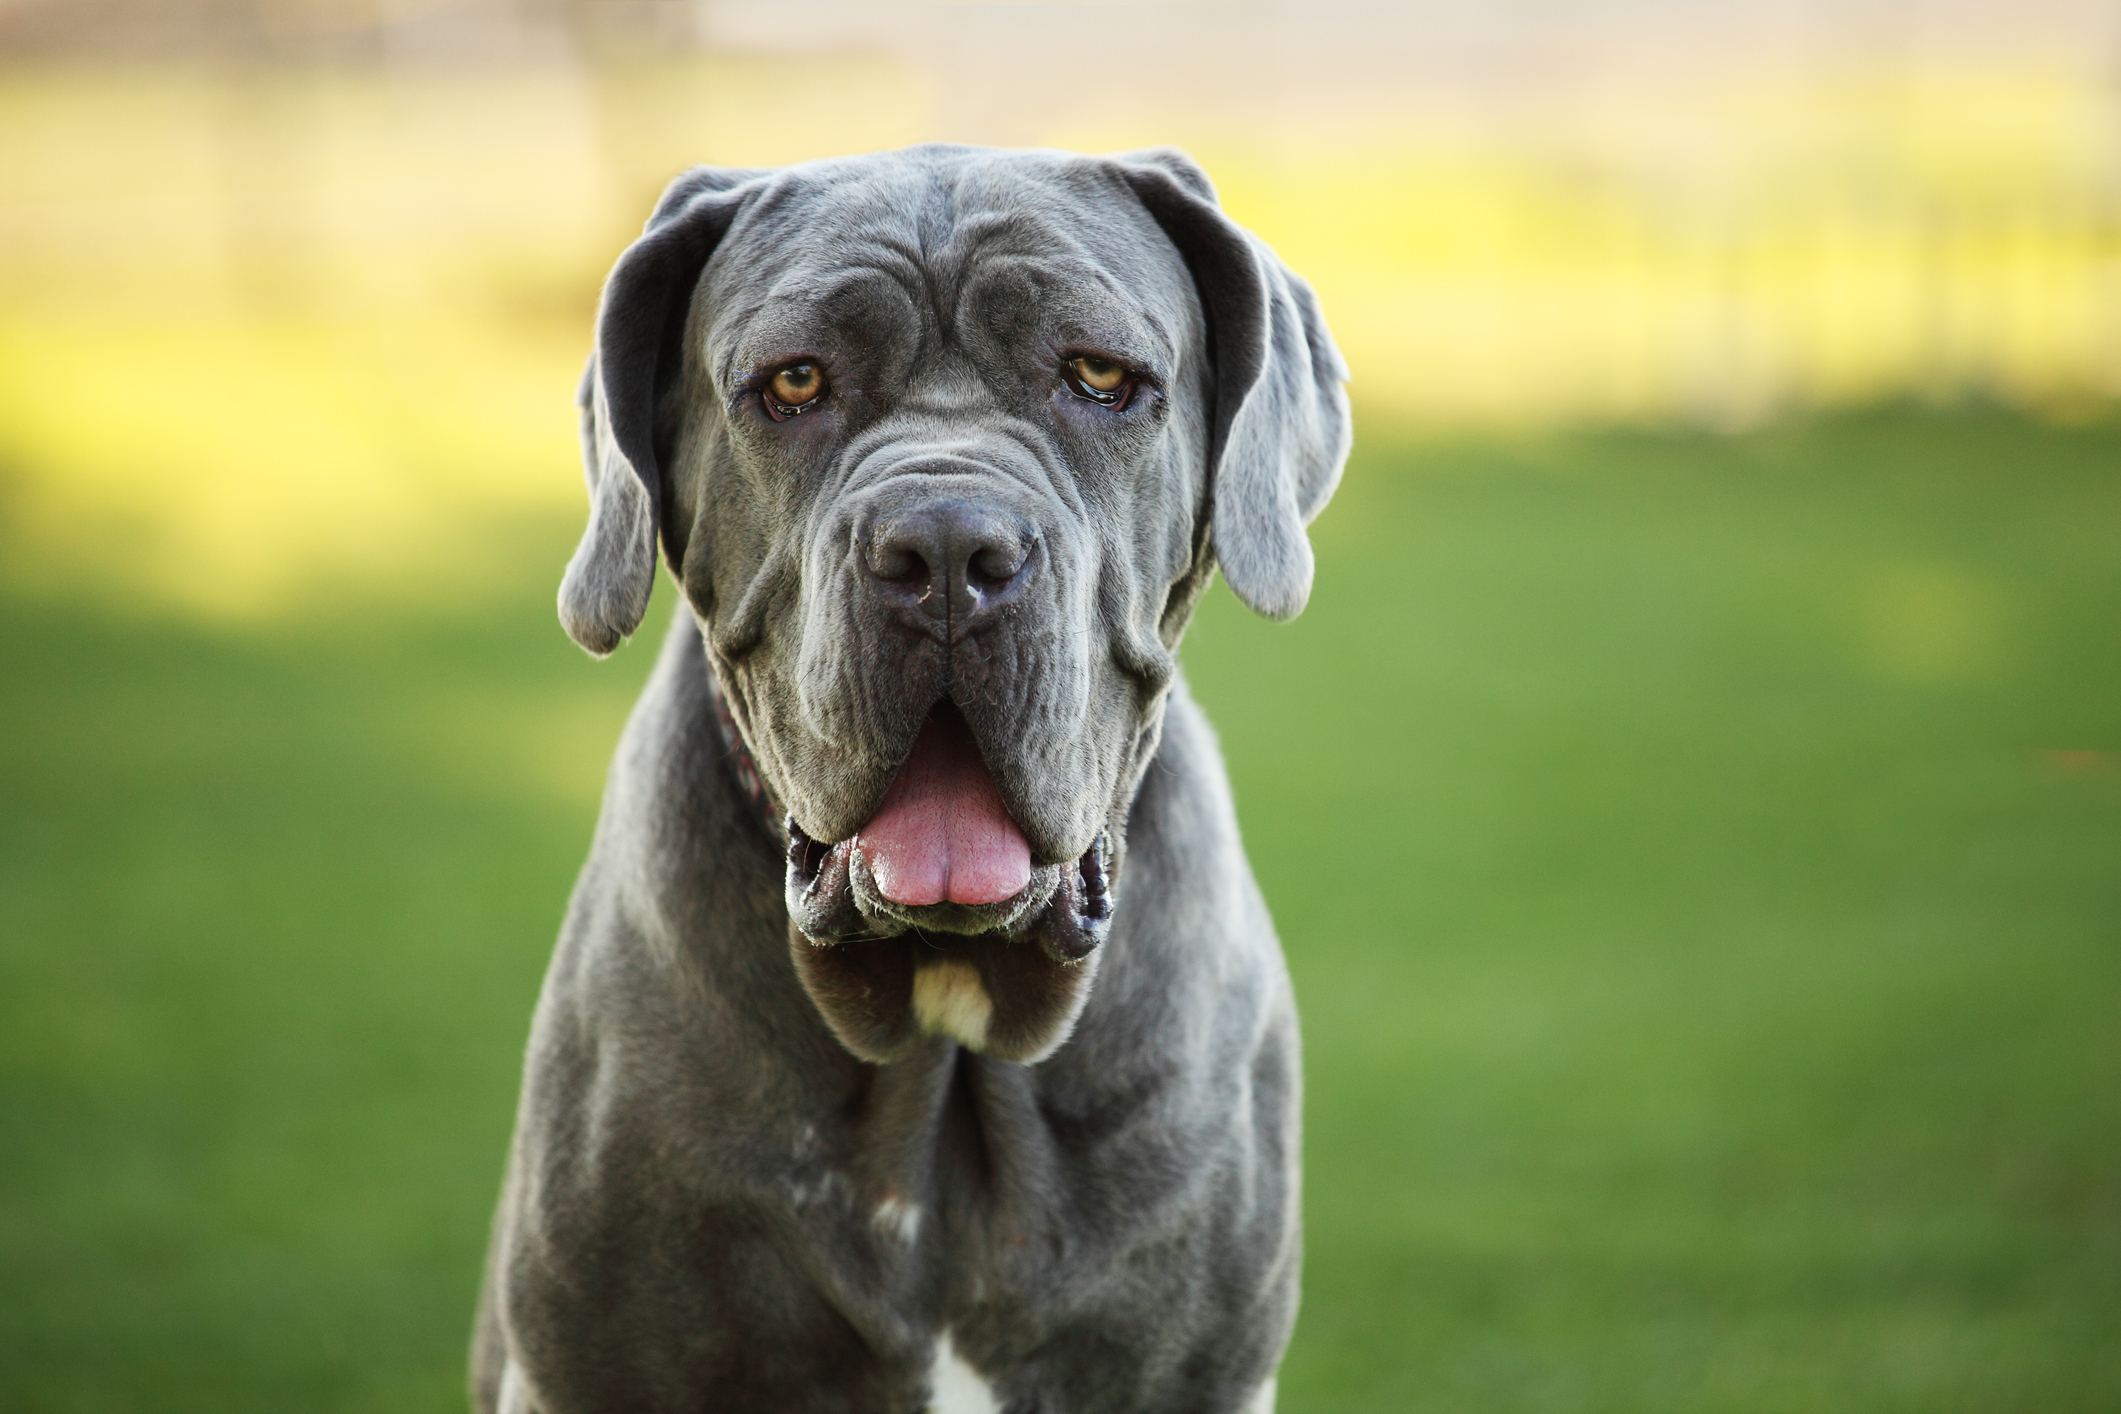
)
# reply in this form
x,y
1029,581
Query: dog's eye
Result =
x,y
794,389
1099,375
1100,379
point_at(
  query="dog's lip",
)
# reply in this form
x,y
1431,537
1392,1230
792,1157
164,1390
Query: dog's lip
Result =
x,y
832,898
942,833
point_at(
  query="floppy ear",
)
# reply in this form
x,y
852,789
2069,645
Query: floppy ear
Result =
x,y
1278,432
638,350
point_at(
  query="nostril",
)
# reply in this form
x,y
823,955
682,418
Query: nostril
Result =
x,y
994,567
900,563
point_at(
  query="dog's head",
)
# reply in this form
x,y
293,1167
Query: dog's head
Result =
x,y
942,446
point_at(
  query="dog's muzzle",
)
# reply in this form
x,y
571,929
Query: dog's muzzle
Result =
x,y
1006,979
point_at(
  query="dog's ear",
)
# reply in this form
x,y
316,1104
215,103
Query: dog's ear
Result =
x,y
1279,429
638,351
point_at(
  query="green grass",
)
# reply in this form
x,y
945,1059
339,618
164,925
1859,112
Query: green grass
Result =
x,y
1712,992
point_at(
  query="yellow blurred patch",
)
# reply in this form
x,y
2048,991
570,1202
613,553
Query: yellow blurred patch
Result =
x,y
263,329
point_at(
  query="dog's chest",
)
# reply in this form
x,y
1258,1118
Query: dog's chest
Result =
x,y
954,1387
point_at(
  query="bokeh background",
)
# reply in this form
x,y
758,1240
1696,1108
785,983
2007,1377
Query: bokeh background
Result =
x,y
1690,803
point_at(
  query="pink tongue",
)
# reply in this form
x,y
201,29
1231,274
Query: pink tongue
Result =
x,y
942,831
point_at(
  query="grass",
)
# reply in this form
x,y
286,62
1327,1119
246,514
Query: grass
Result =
x,y
1709,969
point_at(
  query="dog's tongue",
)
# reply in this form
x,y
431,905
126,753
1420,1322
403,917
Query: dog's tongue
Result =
x,y
942,831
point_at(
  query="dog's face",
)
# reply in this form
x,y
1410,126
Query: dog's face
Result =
x,y
942,446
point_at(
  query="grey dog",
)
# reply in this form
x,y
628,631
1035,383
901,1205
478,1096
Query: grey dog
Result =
x,y
917,1037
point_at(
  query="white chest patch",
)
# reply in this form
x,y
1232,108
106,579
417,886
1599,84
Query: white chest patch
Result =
x,y
948,1000
898,1217
955,1387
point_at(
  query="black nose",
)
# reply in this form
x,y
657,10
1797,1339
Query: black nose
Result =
x,y
950,565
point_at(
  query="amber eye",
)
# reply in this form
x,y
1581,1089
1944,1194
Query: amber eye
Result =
x,y
794,389
1100,379
1099,375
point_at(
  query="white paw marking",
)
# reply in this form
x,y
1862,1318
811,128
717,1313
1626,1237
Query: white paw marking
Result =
x,y
948,1000
897,1216
1262,1400
955,1387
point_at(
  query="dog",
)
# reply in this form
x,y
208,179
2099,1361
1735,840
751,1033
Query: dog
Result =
x,y
917,1037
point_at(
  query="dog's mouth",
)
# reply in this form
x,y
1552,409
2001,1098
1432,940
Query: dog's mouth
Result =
x,y
932,918
942,855
942,834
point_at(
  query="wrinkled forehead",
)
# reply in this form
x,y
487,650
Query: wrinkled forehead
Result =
x,y
995,251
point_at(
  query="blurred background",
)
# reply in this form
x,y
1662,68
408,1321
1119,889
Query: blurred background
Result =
x,y
1691,802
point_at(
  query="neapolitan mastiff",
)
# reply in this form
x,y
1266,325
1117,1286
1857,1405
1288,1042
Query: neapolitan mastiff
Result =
x,y
917,1037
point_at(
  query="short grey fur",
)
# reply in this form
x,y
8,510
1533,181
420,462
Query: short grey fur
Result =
x,y
768,1169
